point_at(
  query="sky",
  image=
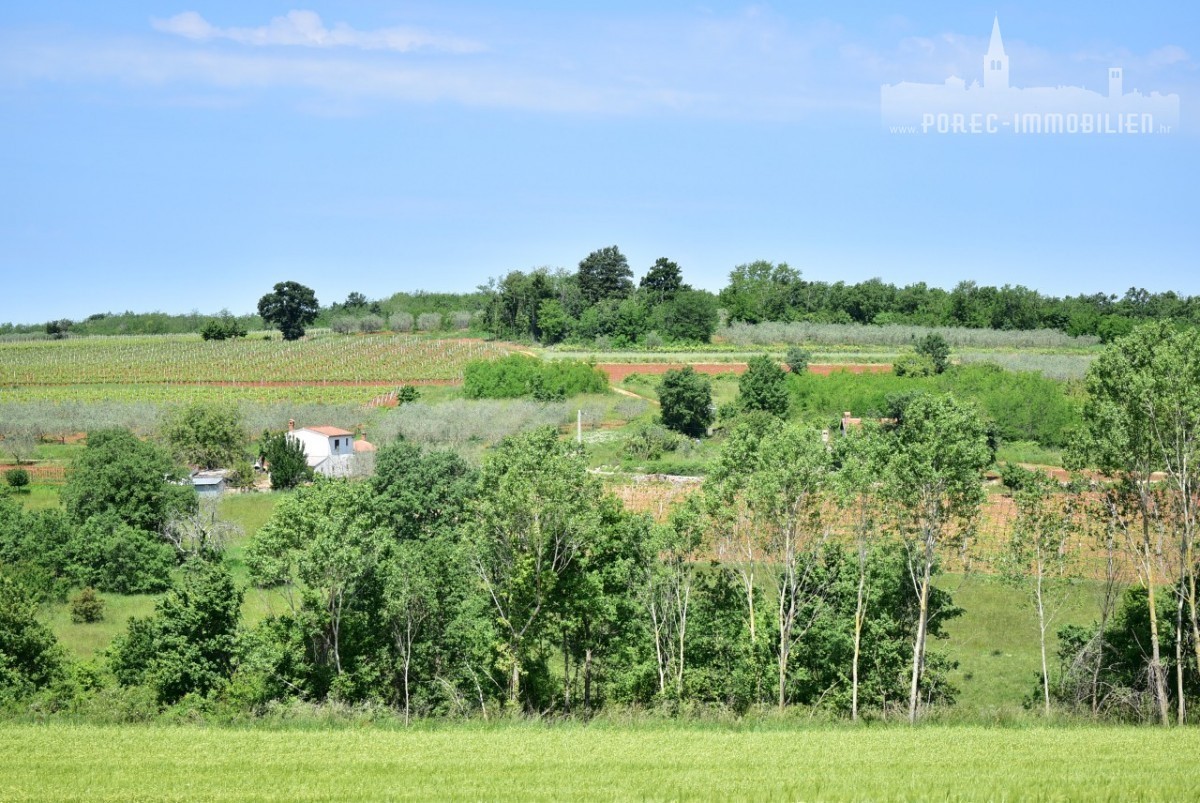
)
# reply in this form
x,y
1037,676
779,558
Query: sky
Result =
x,y
187,156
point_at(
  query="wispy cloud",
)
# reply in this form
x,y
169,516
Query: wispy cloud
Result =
x,y
752,64
300,28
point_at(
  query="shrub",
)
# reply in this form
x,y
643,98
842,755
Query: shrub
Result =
x,y
407,394
224,328
935,347
797,359
763,387
648,442
460,320
652,340
17,478
517,375
686,399
87,607
914,365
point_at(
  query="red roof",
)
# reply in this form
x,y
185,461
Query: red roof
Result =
x,y
364,446
332,432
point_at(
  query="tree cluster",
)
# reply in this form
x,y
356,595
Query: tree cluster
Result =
x,y
764,291
600,303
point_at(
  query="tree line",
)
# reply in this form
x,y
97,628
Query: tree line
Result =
x,y
599,299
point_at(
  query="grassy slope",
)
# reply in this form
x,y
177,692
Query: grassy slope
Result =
x,y
531,762
996,640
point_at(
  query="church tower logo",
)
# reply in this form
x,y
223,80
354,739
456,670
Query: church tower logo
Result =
x,y
997,107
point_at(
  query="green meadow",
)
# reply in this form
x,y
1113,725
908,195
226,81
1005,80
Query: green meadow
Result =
x,y
605,761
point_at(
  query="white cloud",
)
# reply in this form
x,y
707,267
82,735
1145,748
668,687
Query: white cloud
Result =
x,y
305,29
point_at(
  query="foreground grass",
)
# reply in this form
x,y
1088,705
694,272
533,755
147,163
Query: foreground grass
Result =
x,y
532,762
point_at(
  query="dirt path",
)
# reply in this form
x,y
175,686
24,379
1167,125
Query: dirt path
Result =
x,y
633,395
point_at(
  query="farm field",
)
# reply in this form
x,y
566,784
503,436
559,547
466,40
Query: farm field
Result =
x,y
163,359
530,761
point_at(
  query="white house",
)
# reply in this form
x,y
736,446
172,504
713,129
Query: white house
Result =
x,y
330,450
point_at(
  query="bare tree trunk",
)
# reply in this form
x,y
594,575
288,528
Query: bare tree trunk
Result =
x,y
1156,667
1041,611
658,647
860,614
922,621
566,674
1180,705
587,680
514,683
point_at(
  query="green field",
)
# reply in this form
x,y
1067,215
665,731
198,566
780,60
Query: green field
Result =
x,y
767,761
162,359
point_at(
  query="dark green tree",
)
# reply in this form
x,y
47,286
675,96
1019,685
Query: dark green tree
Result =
x,y
135,479
290,307
30,658
687,315
763,387
605,274
187,645
686,399
418,493
108,554
662,281
285,459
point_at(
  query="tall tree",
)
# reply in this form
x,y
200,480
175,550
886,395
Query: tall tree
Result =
x,y
860,455
605,274
1142,415
662,281
534,512
290,307
784,492
322,547
933,482
1037,555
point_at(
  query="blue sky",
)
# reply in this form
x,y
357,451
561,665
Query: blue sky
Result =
x,y
176,157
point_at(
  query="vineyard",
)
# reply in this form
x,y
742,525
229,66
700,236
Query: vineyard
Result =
x,y
184,359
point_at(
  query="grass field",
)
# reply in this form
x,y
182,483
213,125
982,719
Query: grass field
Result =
x,y
773,761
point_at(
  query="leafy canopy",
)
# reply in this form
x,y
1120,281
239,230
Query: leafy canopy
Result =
x,y
290,307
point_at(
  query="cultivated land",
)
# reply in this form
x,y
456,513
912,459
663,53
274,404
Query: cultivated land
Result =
x,y
384,359
771,760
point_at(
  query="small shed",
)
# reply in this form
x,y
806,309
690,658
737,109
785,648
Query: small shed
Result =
x,y
209,483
